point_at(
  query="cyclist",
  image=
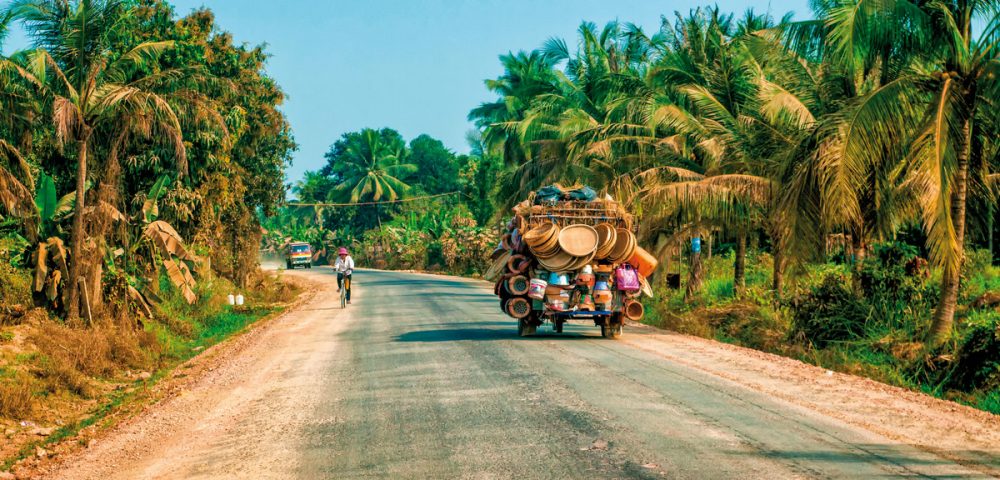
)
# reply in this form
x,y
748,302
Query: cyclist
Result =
x,y
344,267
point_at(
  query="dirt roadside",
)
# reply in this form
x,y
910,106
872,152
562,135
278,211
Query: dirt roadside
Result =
x,y
186,377
965,435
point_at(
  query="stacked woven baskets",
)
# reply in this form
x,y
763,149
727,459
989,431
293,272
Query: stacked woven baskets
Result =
x,y
546,252
570,248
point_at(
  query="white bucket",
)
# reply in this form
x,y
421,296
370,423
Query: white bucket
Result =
x,y
536,289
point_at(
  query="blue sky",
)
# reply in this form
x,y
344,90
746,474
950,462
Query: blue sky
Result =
x,y
414,65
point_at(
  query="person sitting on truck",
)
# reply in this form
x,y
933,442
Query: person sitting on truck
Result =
x,y
344,267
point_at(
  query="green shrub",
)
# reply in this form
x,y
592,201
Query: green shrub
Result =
x,y
718,289
435,257
979,276
990,402
977,363
830,312
887,275
15,282
894,283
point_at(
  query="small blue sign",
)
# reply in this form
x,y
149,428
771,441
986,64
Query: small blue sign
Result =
x,y
696,245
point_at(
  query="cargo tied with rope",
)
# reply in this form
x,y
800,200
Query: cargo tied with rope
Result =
x,y
565,254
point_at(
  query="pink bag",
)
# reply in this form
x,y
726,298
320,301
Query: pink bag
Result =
x,y
627,278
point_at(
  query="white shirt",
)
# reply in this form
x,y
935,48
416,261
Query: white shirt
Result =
x,y
344,265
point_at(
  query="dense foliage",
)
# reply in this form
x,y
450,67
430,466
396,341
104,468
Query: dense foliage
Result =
x,y
121,115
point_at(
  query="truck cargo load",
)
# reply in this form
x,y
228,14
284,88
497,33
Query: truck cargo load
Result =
x,y
567,253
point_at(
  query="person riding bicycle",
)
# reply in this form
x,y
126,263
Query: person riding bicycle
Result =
x,y
344,267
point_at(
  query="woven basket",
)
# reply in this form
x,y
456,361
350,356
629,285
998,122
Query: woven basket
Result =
x,y
578,240
561,262
581,262
497,268
624,246
606,235
540,234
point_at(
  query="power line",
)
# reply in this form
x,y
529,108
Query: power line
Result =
x,y
412,199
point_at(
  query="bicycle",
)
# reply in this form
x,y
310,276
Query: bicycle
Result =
x,y
343,291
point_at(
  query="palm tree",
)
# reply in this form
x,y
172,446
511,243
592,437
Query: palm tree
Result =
x,y
505,122
89,88
373,170
925,120
732,98
16,183
15,174
526,77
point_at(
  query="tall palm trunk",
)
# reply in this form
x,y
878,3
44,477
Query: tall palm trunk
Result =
x,y
990,226
944,316
694,277
76,242
739,264
859,253
778,273
661,251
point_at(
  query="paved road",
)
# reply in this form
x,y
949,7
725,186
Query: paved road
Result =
x,y
433,382
422,378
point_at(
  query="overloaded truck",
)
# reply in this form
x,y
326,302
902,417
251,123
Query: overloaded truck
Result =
x,y
567,253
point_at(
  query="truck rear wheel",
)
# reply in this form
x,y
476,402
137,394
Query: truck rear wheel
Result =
x,y
612,327
615,330
288,265
526,327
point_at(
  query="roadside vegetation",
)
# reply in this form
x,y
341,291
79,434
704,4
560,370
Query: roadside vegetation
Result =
x,y
138,152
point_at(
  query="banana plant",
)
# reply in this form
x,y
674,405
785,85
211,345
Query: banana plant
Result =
x,y
52,209
165,246
150,207
50,256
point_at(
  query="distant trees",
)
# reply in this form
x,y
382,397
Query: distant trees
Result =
x,y
436,167
370,168
376,168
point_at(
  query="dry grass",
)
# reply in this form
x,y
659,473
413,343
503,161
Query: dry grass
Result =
x,y
71,356
16,399
269,287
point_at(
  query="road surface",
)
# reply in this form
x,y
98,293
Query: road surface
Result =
x,y
422,377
